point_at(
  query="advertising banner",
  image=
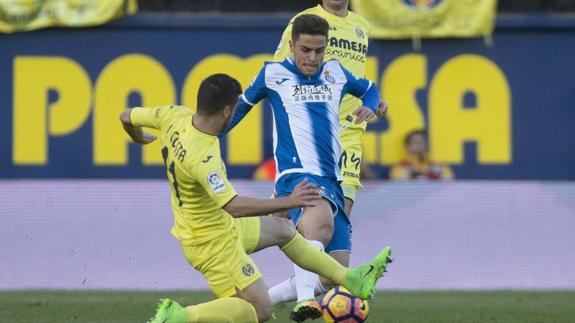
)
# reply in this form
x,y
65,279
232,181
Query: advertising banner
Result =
x,y
428,18
501,112
25,15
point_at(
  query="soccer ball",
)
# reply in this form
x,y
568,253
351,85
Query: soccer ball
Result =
x,y
339,305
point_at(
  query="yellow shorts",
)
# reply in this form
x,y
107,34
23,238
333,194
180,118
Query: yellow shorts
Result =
x,y
224,261
351,161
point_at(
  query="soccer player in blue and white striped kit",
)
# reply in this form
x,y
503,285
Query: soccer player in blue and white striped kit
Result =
x,y
305,94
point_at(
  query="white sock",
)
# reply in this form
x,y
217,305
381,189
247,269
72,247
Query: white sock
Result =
x,y
286,291
320,289
283,292
306,281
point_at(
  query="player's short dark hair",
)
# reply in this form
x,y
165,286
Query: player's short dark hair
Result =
x,y
216,92
309,25
414,133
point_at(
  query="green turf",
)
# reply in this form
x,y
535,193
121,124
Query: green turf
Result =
x,y
440,307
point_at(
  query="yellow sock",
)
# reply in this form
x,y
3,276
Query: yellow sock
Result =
x,y
308,257
225,309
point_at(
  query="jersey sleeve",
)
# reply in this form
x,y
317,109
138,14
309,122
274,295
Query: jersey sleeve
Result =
x,y
212,176
256,92
363,89
283,51
150,117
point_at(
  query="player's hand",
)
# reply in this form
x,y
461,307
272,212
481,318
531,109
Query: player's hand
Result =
x,y
145,138
381,109
280,214
304,194
363,114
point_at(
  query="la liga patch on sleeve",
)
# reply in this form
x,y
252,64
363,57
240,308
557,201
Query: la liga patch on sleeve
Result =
x,y
216,181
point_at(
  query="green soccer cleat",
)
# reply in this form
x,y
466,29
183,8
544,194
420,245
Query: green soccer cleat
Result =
x,y
169,311
361,281
304,310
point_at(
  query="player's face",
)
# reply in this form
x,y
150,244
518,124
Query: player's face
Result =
x,y
308,52
417,144
335,4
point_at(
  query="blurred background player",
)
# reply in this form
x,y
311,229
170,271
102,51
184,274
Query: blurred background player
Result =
x,y
416,164
305,94
347,43
205,204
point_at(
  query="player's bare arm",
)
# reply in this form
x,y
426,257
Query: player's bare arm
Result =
x,y
363,114
304,194
135,132
382,108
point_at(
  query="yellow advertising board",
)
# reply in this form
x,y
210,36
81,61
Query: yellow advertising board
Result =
x,y
427,18
25,15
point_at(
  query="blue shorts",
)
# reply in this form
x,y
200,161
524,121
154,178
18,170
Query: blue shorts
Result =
x,y
341,239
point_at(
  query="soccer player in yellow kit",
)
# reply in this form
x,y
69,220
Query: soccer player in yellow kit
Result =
x,y
213,223
348,43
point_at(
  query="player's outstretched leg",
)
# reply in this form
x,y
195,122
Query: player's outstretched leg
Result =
x,y
169,311
225,309
361,281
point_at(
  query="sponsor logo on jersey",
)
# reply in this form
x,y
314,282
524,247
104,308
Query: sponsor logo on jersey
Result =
x,y
312,93
348,44
216,182
344,49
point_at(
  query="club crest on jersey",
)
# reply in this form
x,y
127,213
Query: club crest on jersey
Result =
x,y
248,270
422,4
359,33
328,77
216,181
312,93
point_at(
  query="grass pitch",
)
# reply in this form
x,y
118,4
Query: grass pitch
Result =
x,y
408,307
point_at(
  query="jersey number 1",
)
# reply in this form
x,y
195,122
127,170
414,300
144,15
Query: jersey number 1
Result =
x,y
172,171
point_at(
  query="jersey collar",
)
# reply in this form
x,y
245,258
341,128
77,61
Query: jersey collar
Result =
x,y
331,15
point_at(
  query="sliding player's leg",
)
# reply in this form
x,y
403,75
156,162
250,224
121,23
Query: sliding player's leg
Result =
x,y
229,272
274,231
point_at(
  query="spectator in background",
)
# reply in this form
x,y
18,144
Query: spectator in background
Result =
x,y
416,165
266,171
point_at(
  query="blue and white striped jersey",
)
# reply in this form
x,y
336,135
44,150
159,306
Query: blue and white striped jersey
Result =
x,y
306,113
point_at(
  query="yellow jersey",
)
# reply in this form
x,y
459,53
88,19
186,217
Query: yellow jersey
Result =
x,y
196,172
348,43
